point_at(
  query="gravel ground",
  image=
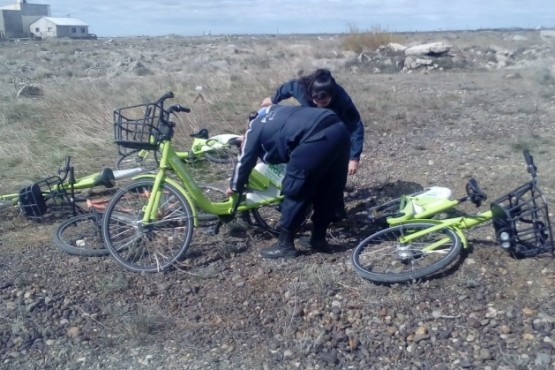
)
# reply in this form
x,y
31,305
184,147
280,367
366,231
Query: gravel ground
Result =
x,y
227,308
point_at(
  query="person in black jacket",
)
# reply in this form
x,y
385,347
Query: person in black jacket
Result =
x,y
319,89
315,145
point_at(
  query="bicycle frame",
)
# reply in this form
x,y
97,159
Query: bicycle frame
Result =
x,y
423,205
8,200
417,245
193,193
457,224
105,177
199,147
506,212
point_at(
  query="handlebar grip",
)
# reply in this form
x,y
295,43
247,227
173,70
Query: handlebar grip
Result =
x,y
167,95
474,193
530,166
178,108
527,156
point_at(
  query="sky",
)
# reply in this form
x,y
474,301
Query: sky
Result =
x,y
218,17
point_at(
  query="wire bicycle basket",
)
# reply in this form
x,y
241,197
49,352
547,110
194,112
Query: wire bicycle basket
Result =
x,y
521,222
137,128
44,196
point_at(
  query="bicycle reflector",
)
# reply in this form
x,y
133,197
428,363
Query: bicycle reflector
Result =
x,y
521,222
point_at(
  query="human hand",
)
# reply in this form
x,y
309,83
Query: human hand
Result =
x,y
266,102
353,166
229,192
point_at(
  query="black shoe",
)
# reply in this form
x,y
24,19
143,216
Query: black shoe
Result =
x,y
279,251
283,248
339,215
320,245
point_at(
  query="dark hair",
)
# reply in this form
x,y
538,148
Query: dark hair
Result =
x,y
318,85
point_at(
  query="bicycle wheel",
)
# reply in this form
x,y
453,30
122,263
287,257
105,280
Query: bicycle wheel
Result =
x,y
381,212
209,173
382,258
222,155
267,217
214,194
81,235
157,245
142,158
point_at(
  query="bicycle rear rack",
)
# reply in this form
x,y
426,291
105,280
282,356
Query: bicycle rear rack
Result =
x,y
521,222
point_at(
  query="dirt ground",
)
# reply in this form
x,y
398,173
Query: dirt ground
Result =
x,y
470,112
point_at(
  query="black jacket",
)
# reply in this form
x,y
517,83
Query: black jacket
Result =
x,y
274,136
341,104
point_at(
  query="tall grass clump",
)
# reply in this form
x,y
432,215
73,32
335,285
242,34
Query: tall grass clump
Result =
x,y
357,40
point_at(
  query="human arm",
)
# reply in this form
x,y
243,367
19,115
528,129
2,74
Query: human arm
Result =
x,y
247,159
357,142
290,89
347,111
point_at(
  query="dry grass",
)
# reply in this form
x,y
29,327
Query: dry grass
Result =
x,y
369,40
84,81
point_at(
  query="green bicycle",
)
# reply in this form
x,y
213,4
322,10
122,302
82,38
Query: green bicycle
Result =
x,y
148,224
57,193
218,149
416,246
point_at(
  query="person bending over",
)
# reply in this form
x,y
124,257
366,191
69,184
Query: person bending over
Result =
x,y
315,145
319,89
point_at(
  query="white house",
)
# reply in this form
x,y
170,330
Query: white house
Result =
x,y
60,27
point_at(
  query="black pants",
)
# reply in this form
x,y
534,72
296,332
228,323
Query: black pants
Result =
x,y
316,174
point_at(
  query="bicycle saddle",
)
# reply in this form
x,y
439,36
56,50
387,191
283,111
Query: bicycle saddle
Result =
x,y
105,178
475,194
202,134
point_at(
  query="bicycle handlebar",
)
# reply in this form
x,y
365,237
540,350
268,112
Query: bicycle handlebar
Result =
x,y
173,108
178,108
530,166
168,95
474,193
66,170
165,113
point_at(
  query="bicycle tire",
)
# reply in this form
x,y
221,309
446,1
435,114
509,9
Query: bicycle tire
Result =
x,y
215,194
382,259
154,247
81,235
381,212
267,218
223,155
134,160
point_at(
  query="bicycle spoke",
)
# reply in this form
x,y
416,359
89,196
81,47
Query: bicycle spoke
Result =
x,y
383,258
152,246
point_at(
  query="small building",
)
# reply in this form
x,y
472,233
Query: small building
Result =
x,y
60,27
15,19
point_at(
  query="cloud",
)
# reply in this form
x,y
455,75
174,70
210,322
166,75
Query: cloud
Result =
x,y
195,17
